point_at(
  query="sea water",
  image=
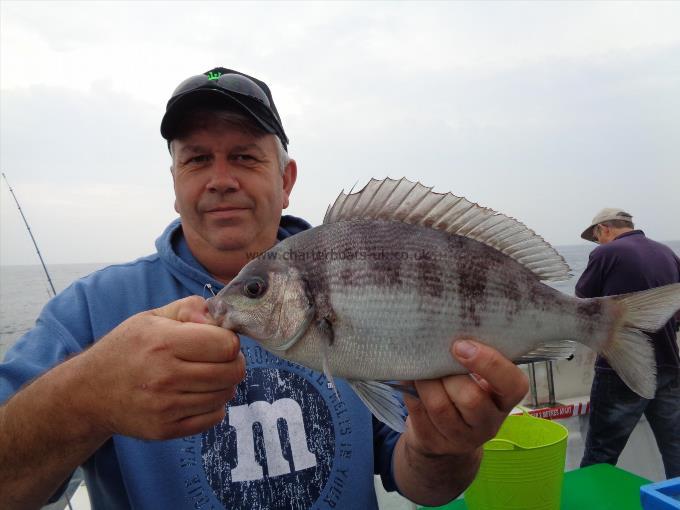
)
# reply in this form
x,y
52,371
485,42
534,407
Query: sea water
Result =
x,y
24,290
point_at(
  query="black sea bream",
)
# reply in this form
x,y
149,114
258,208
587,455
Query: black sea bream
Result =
x,y
396,272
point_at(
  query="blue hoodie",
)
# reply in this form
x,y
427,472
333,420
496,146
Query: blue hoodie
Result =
x,y
287,440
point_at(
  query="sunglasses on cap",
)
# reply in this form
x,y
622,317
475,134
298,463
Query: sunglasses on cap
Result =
x,y
232,82
254,98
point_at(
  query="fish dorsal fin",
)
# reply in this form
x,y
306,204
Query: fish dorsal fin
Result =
x,y
413,203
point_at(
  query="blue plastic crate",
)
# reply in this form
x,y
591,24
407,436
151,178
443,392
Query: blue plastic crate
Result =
x,y
661,495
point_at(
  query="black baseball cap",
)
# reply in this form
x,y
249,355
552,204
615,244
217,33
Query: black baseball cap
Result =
x,y
222,87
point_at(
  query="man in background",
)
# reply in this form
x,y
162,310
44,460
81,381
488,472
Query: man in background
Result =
x,y
128,375
628,261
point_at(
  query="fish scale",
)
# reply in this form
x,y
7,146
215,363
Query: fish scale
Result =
x,y
397,271
380,316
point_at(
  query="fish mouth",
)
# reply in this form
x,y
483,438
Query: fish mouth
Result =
x,y
219,311
217,308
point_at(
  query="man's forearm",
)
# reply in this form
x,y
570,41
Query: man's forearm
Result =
x,y
433,480
43,438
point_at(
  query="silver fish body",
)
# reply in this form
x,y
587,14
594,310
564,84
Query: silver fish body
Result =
x,y
394,296
397,272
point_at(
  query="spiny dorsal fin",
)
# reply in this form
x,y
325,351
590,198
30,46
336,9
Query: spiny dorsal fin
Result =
x,y
413,203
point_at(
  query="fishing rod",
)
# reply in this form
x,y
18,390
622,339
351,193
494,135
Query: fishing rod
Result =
x,y
49,279
54,292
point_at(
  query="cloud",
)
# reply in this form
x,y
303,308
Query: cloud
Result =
x,y
68,135
544,111
91,173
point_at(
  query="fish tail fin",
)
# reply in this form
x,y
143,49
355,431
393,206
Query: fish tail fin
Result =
x,y
631,355
628,350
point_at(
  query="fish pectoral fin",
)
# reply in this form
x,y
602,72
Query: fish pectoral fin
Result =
x,y
403,388
299,332
382,401
550,351
325,344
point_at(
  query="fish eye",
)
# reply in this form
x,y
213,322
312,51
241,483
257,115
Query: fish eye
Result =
x,y
255,287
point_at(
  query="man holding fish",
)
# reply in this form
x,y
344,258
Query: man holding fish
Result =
x,y
256,398
131,377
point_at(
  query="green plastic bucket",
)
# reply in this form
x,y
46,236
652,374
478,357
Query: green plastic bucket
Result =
x,y
522,467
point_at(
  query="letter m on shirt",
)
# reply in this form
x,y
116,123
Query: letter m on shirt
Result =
x,y
244,417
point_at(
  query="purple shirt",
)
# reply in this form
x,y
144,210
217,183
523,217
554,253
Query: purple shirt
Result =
x,y
630,263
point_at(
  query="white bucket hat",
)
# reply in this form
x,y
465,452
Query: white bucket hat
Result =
x,y
607,214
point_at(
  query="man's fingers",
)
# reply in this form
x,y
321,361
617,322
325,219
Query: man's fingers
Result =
x,y
197,424
202,342
419,422
483,383
476,406
193,335
504,378
189,309
203,377
193,404
439,405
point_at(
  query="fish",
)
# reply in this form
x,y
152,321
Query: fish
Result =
x,y
396,271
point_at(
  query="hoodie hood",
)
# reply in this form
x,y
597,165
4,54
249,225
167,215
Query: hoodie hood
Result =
x,y
174,251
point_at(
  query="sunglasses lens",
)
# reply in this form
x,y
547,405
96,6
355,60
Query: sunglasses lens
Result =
x,y
242,85
190,83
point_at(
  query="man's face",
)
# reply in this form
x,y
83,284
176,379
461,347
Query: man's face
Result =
x,y
596,234
603,234
229,190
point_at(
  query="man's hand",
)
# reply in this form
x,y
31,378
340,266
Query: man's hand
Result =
x,y
163,373
160,374
439,453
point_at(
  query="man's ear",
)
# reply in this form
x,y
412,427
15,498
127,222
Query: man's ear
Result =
x,y
289,178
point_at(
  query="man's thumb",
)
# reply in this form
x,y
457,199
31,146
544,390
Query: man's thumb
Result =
x,y
188,309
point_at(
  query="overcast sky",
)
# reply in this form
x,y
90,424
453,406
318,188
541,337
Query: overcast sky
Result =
x,y
544,111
